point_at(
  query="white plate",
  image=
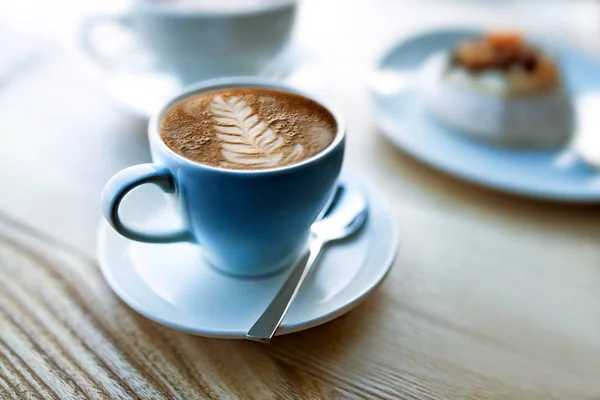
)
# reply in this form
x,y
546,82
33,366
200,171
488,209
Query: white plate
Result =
x,y
172,286
556,175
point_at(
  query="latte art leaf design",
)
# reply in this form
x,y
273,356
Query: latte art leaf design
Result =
x,y
245,139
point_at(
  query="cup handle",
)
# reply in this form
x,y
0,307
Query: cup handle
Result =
x,y
86,39
121,183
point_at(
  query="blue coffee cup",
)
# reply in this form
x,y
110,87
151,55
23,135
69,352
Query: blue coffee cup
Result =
x,y
246,222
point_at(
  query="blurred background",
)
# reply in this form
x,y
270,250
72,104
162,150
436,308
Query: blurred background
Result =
x,y
62,134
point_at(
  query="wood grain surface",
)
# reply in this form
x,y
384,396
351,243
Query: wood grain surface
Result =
x,y
491,328
491,296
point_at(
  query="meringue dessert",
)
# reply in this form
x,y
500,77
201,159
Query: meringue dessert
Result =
x,y
500,89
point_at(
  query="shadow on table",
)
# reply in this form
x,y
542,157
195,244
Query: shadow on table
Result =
x,y
335,336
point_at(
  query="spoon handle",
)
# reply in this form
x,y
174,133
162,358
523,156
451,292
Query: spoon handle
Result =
x,y
265,327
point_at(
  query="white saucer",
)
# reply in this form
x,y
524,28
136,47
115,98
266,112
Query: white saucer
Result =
x,y
172,286
556,175
145,91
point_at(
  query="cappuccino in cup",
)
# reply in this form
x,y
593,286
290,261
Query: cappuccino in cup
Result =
x,y
249,165
247,128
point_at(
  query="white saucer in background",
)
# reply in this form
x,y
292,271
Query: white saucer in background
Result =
x,y
170,284
144,91
555,175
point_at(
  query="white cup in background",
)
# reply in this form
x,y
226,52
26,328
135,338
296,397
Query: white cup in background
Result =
x,y
199,39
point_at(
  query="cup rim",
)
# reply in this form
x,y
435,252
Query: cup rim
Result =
x,y
243,82
182,12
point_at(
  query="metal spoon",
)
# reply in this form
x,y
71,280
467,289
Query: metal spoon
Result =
x,y
346,216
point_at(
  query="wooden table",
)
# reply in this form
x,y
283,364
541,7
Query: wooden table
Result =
x,y
491,297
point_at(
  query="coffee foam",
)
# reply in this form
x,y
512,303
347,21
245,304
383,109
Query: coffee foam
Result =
x,y
247,128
